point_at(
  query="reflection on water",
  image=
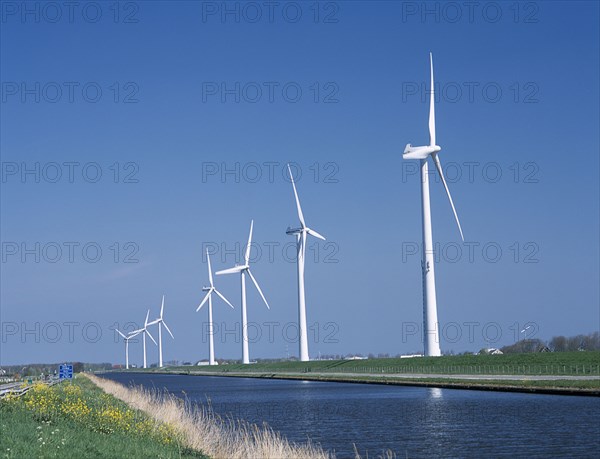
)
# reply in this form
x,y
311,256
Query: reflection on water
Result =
x,y
435,392
411,421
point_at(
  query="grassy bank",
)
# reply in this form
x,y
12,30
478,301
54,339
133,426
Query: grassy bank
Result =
x,y
98,418
573,387
515,372
543,363
80,420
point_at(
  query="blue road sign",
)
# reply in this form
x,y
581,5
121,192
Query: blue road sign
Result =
x,y
65,371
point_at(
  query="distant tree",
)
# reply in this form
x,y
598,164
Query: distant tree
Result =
x,y
574,342
523,346
77,367
592,342
558,344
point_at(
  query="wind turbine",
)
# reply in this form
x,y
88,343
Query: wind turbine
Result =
x,y
127,338
300,234
243,270
145,332
210,290
160,323
430,319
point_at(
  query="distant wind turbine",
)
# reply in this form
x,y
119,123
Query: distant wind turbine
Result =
x,y
210,290
127,338
300,234
145,332
526,328
430,319
243,270
160,323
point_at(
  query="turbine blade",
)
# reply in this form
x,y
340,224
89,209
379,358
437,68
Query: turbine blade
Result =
x,y
210,276
162,306
167,327
303,248
258,288
134,333
300,214
312,232
438,166
247,254
431,107
146,321
204,300
235,269
151,337
120,333
154,322
224,299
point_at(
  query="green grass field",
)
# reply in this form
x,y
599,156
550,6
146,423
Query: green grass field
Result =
x,y
82,421
543,363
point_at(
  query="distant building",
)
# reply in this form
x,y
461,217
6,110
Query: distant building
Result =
x,y
355,357
203,363
491,351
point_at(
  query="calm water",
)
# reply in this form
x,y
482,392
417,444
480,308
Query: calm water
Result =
x,y
411,421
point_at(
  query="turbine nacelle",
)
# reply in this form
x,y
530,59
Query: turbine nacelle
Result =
x,y
423,152
236,269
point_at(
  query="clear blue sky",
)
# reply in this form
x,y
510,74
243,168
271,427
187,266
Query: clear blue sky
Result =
x,y
541,132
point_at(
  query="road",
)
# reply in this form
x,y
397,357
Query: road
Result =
x,y
19,388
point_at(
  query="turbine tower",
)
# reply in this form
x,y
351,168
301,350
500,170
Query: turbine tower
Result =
x,y
210,290
243,270
144,332
300,234
127,338
160,323
430,318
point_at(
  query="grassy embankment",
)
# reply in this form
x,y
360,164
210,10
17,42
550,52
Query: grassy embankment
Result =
x,y
397,370
98,418
80,420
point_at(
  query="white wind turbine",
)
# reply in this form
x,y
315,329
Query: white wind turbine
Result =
x,y
430,320
210,290
243,270
160,323
300,234
144,332
127,338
